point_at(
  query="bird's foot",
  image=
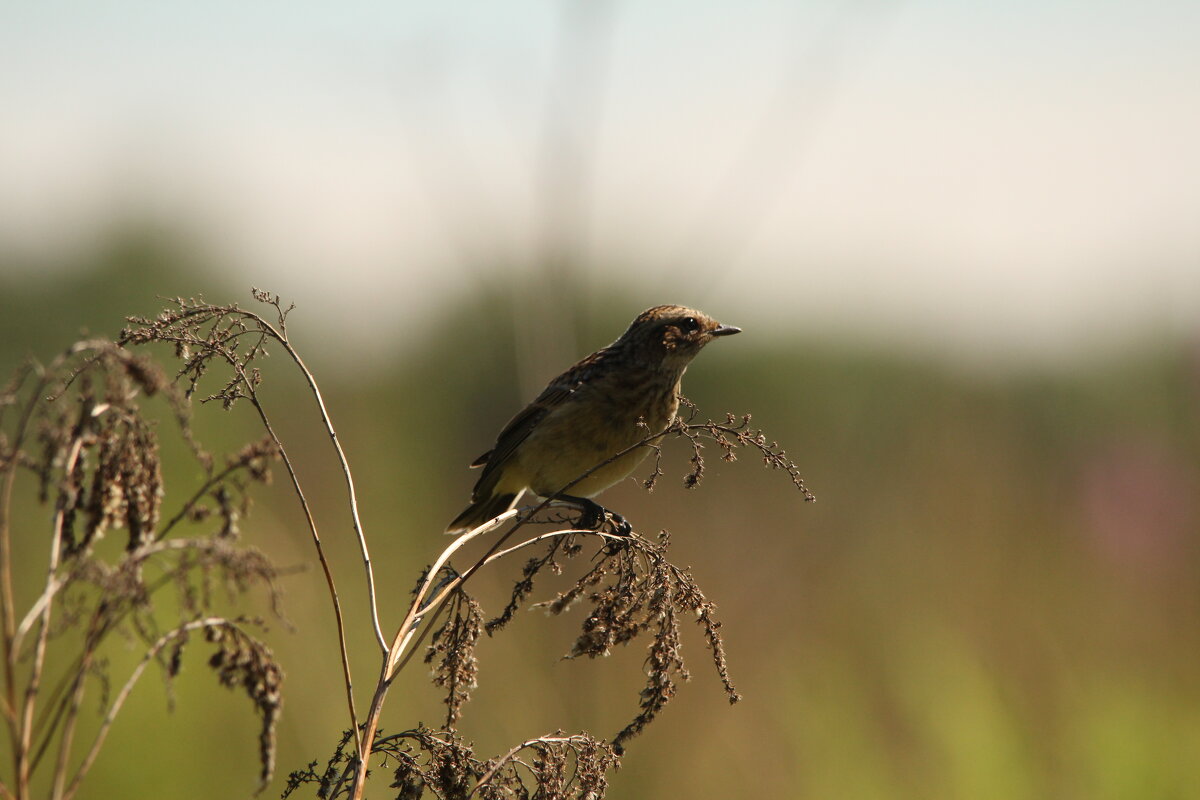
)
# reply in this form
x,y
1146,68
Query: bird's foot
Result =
x,y
617,524
602,520
591,515
595,517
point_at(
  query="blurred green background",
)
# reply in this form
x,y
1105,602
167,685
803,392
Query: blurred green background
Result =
x,y
996,594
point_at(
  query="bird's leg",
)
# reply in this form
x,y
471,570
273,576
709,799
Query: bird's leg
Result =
x,y
593,515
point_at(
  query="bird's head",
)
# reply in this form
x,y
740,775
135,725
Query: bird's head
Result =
x,y
671,336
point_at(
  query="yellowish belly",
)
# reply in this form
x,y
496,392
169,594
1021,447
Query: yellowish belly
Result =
x,y
568,443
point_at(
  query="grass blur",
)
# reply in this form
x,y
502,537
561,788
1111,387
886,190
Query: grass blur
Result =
x,y
994,597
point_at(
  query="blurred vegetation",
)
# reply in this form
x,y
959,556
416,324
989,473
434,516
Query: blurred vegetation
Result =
x,y
995,596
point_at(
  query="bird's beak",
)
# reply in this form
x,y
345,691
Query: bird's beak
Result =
x,y
725,330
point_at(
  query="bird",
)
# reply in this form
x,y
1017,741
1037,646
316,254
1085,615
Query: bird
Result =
x,y
604,404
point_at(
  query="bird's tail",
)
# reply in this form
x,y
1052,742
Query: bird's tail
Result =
x,y
480,512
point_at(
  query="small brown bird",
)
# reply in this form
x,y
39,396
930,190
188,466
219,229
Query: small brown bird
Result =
x,y
589,414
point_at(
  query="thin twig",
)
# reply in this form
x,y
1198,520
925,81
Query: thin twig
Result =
x,y
325,568
419,605
403,636
49,724
212,481
39,653
7,606
243,386
420,608
541,537
72,704
119,700
358,528
438,602
511,754
280,335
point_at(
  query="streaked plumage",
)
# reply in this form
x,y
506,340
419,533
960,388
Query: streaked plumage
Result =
x,y
589,413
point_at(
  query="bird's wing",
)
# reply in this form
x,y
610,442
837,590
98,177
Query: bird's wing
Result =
x,y
520,426
557,392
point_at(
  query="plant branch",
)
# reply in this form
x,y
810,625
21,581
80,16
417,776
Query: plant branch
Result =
x,y
7,605
439,601
39,654
345,465
325,568
511,755
74,700
177,326
119,700
280,335
212,481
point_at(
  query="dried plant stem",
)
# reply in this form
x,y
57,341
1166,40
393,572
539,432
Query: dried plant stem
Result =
x,y
102,623
353,495
67,738
224,328
212,481
511,755
541,537
35,611
404,635
440,599
9,467
400,652
7,607
66,707
325,568
98,463
280,335
39,652
119,701
419,603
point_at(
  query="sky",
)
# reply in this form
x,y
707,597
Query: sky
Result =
x,y
975,178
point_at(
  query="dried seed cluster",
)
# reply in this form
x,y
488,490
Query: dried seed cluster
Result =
x,y
453,647
203,333
78,425
553,767
634,591
242,661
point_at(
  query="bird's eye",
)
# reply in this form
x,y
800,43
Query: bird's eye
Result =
x,y
689,324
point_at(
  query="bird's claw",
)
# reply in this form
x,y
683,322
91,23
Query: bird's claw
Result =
x,y
591,517
595,517
618,524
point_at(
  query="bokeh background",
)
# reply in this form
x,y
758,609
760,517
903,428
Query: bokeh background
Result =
x,y
962,239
